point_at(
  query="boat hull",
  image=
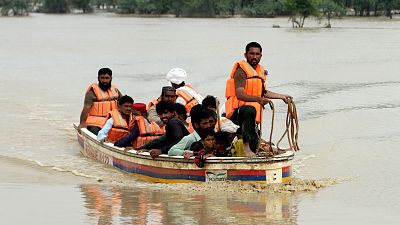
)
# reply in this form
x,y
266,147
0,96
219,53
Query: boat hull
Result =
x,y
176,169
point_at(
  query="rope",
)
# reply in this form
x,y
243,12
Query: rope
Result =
x,y
292,128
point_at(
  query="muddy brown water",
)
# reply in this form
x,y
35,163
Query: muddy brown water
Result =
x,y
345,82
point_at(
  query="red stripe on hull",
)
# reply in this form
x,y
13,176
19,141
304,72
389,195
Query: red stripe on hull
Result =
x,y
286,169
159,170
246,172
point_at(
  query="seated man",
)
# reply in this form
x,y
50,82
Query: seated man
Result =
x,y
180,112
142,130
200,120
118,120
175,130
167,95
187,95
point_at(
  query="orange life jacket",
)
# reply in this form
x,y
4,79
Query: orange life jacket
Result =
x,y
153,103
255,85
189,125
147,131
120,127
187,97
105,102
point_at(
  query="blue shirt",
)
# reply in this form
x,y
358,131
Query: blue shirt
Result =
x,y
103,133
184,144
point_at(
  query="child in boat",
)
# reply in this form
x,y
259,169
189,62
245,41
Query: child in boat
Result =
x,y
205,147
222,144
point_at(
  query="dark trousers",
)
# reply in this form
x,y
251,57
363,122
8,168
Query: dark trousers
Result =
x,y
95,130
245,117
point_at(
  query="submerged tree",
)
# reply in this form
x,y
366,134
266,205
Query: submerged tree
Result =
x,y
14,7
83,5
301,9
329,9
55,6
264,8
126,6
388,6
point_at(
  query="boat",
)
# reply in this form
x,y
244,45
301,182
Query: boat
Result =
x,y
176,169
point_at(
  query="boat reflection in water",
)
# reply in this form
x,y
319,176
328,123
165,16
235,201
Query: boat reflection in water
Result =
x,y
124,205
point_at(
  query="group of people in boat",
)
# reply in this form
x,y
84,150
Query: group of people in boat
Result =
x,y
181,122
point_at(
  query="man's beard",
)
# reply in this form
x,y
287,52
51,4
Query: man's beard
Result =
x,y
105,87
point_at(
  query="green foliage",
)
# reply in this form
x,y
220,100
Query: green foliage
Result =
x,y
105,3
388,6
55,6
226,7
14,7
84,5
298,10
301,9
178,7
264,8
126,6
331,9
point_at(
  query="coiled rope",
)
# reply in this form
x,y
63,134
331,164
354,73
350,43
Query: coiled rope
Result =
x,y
291,131
292,128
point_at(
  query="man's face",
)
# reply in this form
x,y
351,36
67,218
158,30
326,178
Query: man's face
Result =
x,y
205,123
166,116
253,56
136,112
126,108
209,142
168,97
105,81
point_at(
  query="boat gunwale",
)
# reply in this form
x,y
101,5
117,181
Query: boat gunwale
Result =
x,y
180,159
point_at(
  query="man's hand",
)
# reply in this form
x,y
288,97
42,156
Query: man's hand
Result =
x,y
79,128
264,101
102,141
154,153
105,140
128,148
187,155
286,98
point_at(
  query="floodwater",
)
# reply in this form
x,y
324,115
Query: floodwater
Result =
x,y
345,82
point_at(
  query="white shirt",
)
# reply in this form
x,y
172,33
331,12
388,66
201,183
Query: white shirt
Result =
x,y
193,93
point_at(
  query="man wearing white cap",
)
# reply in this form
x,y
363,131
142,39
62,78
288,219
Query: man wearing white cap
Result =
x,y
187,95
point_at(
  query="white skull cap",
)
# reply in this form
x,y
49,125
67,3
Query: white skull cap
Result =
x,y
176,75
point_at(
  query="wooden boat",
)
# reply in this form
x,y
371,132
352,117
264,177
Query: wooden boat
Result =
x,y
176,169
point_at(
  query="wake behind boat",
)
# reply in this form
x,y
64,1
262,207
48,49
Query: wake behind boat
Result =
x,y
176,169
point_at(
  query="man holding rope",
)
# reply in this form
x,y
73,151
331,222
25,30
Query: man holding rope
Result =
x,y
247,94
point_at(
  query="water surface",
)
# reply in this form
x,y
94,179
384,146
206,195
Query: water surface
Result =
x,y
344,80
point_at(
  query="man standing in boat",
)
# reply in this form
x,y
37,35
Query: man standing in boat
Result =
x,y
100,99
187,95
247,94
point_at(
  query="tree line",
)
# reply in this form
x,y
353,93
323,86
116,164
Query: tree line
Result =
x,y
297,10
